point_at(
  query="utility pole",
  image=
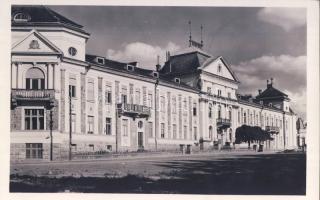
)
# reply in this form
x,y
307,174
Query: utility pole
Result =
x,y
70,125
51,139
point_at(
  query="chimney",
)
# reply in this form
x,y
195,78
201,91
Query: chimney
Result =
x,y
158,66
259,91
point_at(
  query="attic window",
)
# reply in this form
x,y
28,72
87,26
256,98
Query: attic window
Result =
x,y
219,68
100,61
21,17
130,67
177,80
155,74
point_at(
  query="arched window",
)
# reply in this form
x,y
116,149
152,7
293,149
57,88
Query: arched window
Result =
x,y
34,79
244,117
210,132
210,110
219,112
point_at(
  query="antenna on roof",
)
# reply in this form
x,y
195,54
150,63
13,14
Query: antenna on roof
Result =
x,y
190,36
201,27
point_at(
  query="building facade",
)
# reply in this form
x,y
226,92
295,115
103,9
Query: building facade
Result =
x,y
63,98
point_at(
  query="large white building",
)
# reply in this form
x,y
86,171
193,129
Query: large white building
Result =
x,y
190,102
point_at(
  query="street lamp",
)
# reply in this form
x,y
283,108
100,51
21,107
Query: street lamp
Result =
x,y
70,125
51,139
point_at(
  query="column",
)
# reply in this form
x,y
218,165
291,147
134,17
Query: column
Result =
x,y
14,75
62,99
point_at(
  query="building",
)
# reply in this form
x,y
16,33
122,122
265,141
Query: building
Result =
x,y
301,133
61,94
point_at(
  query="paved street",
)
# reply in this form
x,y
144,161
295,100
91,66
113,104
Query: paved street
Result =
x,y
224,173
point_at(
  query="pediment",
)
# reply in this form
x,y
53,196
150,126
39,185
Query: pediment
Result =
x,y
219,67
35,43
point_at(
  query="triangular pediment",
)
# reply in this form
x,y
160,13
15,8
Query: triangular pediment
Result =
x,y
218,67
35,43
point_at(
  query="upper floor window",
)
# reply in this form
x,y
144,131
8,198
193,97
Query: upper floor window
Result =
x,y
162,130
108,94
162,104
35,79
72,51
219,112
244,117
137,96
209,90
34,119
230,114
21,17
219,93
150,100
124,95
229,95
90,94
194,109
210,110
174,105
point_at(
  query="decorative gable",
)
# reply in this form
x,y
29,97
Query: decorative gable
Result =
x,y
218,67
35,43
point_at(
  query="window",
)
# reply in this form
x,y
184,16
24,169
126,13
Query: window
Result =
x,y
194,109
72,51
162,104
229,95
230,114
100,61
34,119
150,129
72,91
108,126
137,96
140,124
219,112
245,118
162,130
219,68
210,132
125,127
267,123
219,93
185,132
150,100
90,94
90,124
262,121
174,105
35,79
73,123
174,131
251,119
210,110
108,94
124,95
195,137
34,150
109,148
21,17
239,117
91,147
209,90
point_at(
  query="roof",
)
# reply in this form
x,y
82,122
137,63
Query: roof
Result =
x,y
121,66
271,93
185,61
41,15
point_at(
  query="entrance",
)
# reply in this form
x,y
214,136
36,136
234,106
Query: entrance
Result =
x,y
140,140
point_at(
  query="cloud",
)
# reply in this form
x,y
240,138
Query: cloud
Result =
x,y
287,18
145,54
288,72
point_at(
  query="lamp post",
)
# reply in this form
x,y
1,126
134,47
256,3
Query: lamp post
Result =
x,y
51,139
70,126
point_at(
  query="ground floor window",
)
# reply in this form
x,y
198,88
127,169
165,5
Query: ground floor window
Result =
x,y
34,119
150,129
174,131
34,150
162,130
90,124
108,126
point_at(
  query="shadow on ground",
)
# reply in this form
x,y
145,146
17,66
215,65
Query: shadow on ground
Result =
x,y
274,174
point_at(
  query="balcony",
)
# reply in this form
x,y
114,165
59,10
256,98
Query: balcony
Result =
x,y
273,129
31,95
223,123
133,110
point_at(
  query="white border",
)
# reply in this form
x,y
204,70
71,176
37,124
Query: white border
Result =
x,y
312,94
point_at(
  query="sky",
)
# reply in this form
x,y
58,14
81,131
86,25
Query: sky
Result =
x,y
257,43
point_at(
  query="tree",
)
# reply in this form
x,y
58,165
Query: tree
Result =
x,y
251,134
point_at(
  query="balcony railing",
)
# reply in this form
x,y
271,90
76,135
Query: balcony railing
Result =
x,y
133,110
223,123
23,94
273,129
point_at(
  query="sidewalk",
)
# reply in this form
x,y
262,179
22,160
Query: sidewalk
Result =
x,y
146,156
